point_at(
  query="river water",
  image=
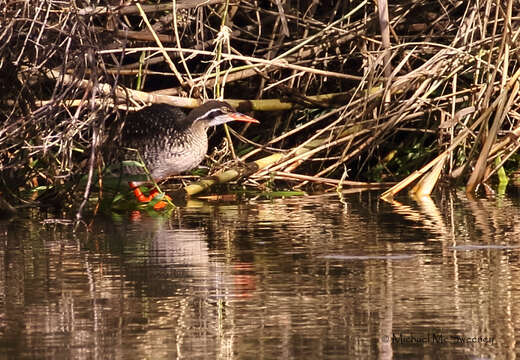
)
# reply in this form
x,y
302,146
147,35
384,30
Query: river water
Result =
x,y
316,277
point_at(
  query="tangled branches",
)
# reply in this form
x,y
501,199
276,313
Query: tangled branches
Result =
x,y
441,77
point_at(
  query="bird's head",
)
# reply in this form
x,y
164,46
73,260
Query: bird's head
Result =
x,y
215,112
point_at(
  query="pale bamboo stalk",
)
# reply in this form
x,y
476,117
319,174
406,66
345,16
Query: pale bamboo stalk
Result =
x,y
384,24
229,175
316,179
424,187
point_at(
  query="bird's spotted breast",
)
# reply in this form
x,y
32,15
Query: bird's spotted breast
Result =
x,y
175,158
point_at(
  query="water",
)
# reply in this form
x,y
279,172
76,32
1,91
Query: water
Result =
x,y
300,278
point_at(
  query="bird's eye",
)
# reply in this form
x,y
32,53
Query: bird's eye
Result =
x,y
217,112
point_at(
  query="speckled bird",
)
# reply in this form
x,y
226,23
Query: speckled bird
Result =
x,y
171,142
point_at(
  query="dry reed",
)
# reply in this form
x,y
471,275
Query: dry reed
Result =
x,y
443,75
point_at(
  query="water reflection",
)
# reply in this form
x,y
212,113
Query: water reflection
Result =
x,y
294,278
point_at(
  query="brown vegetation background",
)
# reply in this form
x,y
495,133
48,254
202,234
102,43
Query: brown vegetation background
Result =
x,y
344,89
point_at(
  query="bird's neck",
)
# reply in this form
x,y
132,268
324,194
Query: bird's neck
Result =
x,y
192,136
199,128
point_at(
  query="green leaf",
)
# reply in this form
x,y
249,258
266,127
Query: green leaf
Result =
x,y
502,177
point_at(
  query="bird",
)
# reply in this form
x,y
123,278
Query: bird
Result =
x,y
170,142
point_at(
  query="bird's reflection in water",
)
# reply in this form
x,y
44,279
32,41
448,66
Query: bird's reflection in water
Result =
x,y
164,259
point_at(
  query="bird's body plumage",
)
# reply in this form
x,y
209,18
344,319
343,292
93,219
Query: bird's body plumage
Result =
x,y
159,134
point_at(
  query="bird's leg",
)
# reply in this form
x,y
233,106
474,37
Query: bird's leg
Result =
x,y
147,198
139,194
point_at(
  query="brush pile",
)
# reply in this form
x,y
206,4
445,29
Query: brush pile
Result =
x,y
347,89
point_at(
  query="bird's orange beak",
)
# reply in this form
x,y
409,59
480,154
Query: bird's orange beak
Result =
x,y
241,117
